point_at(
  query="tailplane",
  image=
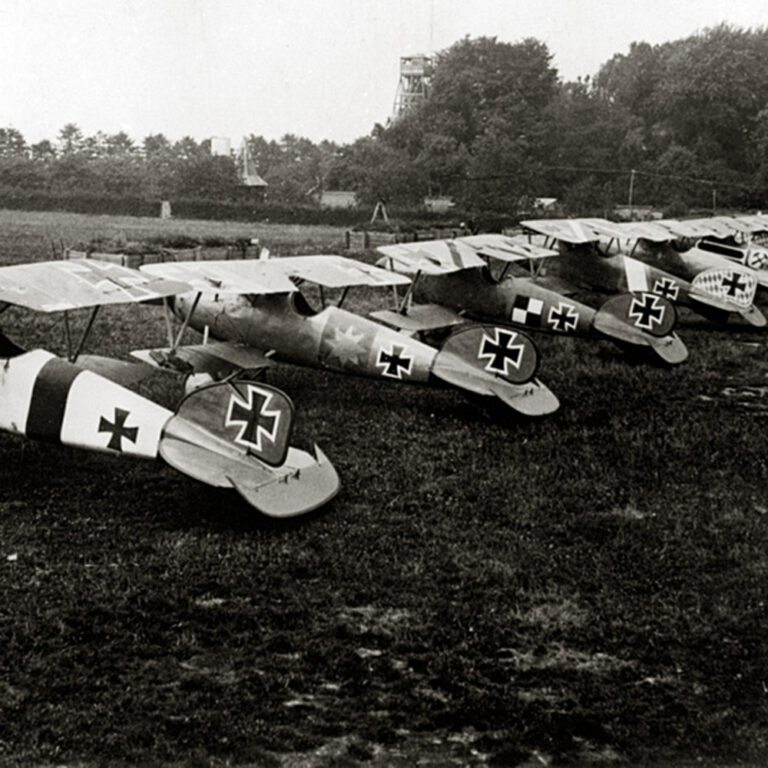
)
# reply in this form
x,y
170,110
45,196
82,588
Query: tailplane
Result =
x,y
642,319
236,434
496,361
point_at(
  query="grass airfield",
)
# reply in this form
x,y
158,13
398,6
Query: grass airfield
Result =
x,y
589,587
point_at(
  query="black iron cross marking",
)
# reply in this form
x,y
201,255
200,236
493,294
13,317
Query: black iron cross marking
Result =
x,y
647,311
253,417
564,318
501,351
666,288
394,362
733,284
118,430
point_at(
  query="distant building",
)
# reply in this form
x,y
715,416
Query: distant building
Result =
x,y
439,203
338,198
636,213
220,146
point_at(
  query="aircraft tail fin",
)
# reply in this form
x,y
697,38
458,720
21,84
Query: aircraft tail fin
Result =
x,y
496,361
642,319
236,434
727,290
735,286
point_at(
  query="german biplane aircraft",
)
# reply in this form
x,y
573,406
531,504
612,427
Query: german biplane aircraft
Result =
x,y
452,277
256,305
738,238
666,246
594,254
234,434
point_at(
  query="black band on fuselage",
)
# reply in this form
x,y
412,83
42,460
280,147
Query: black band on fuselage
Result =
x,y
49,399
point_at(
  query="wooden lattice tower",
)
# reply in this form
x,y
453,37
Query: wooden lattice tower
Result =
x,y
413,88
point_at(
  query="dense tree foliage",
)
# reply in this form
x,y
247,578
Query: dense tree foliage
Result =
x,y
689,118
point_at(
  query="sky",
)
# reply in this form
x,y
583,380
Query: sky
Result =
x,y
323,69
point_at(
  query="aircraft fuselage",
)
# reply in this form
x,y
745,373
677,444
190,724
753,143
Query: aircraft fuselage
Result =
x,y
333,338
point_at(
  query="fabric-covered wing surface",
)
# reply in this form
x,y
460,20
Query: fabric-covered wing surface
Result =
x,y
57,286
507,248
336,271
234,276
431,257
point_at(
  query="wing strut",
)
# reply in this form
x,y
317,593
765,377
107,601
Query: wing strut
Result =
x,y
343,296
74,353
192,308
68,334
86,333
168,326
403,307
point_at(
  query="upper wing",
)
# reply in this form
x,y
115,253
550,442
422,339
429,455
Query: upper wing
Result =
x,y
274,275
688,228
645,230
54,286
430,257
506,248
721,226
567,230
748,224
335,271
230,276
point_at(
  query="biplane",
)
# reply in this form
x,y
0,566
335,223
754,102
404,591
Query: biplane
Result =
x,y
453,281
256,305
234,434
738,238
666,246
593,253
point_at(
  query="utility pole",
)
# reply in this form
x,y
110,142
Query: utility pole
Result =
x,y
631,193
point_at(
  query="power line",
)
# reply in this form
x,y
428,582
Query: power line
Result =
x,y
607,171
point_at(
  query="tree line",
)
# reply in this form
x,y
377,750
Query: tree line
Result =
x,y
686,122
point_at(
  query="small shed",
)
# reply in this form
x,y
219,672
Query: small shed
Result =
x,y
439,203
338,198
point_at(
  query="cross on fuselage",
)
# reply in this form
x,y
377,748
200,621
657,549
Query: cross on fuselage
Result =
x,y
118,430
563,318
501,350
666,288
393,362
733,284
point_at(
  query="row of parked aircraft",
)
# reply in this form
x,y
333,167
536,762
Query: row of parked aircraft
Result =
x,y
462,321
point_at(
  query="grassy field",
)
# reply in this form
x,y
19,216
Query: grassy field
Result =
x,y
590,587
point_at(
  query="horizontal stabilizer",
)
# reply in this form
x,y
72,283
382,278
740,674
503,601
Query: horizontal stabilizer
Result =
x,y
530,399
312,482
495,361
217,358
420,317
754,316
644,320
236,434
